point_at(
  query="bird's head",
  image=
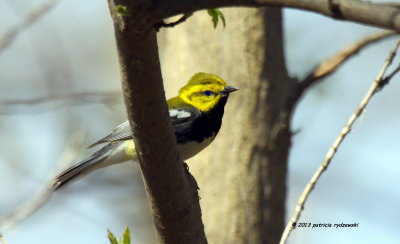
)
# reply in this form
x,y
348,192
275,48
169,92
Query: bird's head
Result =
x,y
204,91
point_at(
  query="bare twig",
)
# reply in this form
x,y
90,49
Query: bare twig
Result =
x,y
31,205
390,4
2,239
169,25
331,64
7,106
346,129
364,12
27,21
386,80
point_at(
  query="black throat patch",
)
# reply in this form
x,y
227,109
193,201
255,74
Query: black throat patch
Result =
x,y
204,124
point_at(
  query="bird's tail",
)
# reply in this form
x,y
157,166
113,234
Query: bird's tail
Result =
x,y
97,160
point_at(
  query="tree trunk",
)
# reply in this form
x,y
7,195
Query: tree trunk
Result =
x,y
242,174
175,205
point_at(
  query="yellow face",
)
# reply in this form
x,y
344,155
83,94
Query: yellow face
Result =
x,y
203,91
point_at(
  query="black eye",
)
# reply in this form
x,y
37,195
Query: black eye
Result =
x,y
207,93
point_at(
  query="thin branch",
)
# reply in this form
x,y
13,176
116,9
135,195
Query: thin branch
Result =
x,y
39,198
182,19
332,151
27,21
8,106
364,12
2,239
386,80
383,15
391,4
331,64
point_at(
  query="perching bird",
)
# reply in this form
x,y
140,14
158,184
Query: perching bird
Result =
x,y
196,115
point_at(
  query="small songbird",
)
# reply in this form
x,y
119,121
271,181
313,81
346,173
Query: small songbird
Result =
x,y
196,116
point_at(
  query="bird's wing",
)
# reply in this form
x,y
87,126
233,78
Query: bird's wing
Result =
x,y
181,119
120,133
182,116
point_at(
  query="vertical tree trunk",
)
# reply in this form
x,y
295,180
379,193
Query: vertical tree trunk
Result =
x,y
175,206
242,174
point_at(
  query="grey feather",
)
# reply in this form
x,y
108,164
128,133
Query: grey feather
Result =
x,y
95,161
120,133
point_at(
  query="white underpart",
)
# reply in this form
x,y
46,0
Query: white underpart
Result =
x,y
187,150
117,156
180,114
191,148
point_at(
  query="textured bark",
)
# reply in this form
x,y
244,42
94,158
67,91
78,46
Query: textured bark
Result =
x,y
172,195
242,174
365,12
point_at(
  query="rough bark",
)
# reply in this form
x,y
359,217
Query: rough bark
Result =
x,y
242,174
172,195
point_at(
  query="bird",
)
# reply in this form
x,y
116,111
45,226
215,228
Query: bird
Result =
x,y
196,116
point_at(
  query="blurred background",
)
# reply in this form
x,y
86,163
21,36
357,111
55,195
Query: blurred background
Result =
x,y
60,91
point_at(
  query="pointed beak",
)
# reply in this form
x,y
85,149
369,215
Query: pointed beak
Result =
x,y
229,89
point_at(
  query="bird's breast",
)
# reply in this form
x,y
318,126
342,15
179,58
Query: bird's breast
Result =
x,y
191,148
